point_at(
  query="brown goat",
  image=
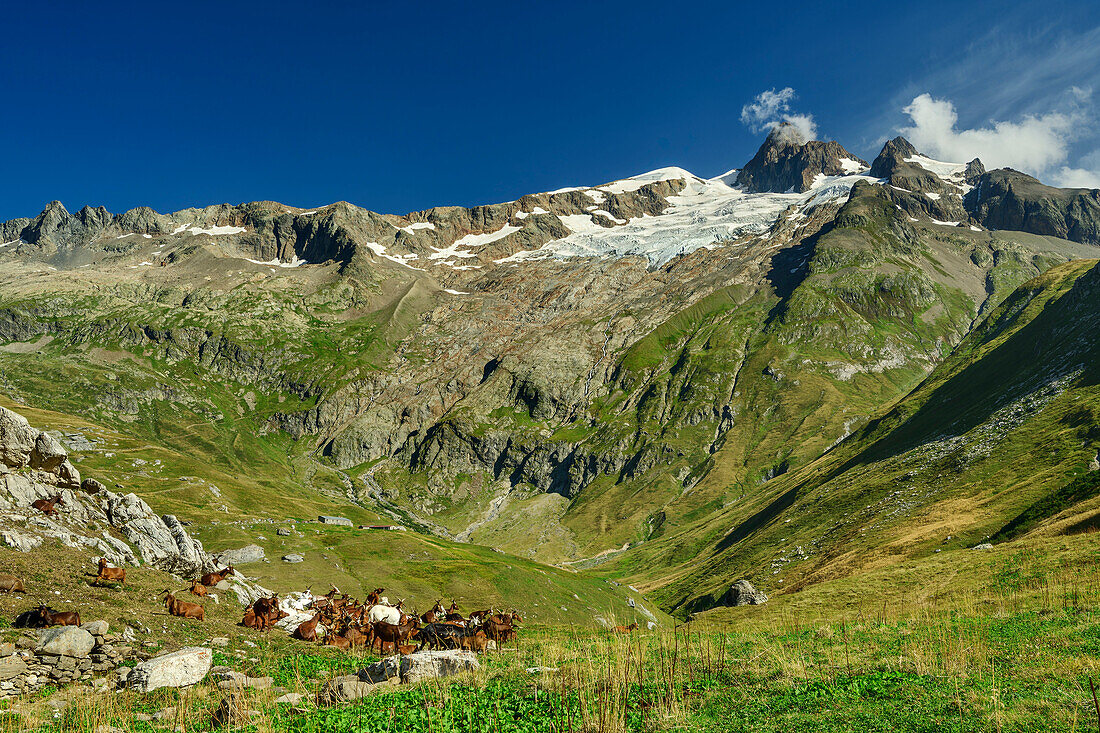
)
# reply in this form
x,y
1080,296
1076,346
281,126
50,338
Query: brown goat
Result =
x,y
625,629
263,613
184,609
217,577
46,506
452,612
307,630
198,589
338,639
385,633
59,618
11,584
477,642
113,575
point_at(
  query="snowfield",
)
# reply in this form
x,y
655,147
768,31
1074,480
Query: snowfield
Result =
x,y
212,231
703,214
951,173
294,262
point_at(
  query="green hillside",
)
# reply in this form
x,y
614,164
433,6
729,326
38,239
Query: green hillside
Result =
x,y
993,445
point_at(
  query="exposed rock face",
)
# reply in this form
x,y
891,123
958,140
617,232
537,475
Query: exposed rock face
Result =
x,y
20,540
918,190
785,162
1008,199
22,446
162,541
183,668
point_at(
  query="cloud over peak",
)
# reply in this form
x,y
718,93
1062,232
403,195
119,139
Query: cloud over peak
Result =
x,y
772,107
1035,144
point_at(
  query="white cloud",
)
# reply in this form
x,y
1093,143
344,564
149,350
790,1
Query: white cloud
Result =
x,y
1076,178
1036,144
772,107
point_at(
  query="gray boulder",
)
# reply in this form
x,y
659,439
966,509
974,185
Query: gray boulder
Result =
x,y
282,532
96,628
435,664
48,453
241,556
183,668
91,486
66,641
742,593
983,546
343,689
293,557
380,671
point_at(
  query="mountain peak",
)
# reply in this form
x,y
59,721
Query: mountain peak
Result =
x,y
786,162
785,134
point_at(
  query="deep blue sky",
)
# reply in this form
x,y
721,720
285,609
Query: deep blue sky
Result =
x,y
398,109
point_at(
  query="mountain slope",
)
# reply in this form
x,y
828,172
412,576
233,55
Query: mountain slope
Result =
x,y
559,376
1008,419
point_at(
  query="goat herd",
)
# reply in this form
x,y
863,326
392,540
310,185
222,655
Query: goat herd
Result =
x,y
342,621
336,619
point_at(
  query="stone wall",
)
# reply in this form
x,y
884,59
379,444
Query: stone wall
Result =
x,y
58,656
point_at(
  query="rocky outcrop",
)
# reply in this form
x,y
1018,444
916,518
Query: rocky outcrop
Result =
x,y
786,162
162,541
917,190
24,447
1009,199
34,465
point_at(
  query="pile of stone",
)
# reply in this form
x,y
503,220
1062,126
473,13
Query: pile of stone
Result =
x,y
59,656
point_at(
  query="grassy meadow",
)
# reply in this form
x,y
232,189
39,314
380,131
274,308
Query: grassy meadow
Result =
x,y
1011,647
